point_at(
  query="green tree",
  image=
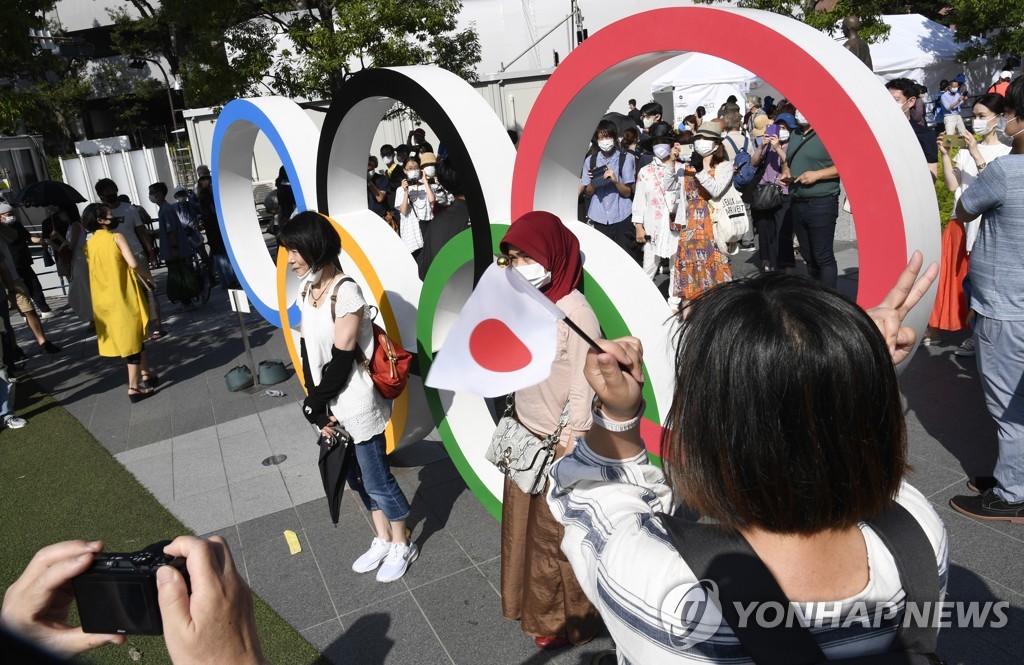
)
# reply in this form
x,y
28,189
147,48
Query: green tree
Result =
x,y
41,89
988,27
293,48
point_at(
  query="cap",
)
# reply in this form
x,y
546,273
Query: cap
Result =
x,y
1005,74
708,130
428,159
5,208
179,190
960,78
786,119
419,131
202,167
760,122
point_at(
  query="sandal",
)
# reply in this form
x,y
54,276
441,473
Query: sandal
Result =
x,y
149,380
157,334
140,394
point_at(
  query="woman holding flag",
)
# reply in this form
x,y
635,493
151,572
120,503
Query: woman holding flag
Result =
x,y
538,586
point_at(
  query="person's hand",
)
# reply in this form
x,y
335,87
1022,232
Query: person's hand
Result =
x,y
697,162
807,178
641,235
611,175
216,624
405,184
907,292
971,143
773,141
36,605
329,430
942,147
617,376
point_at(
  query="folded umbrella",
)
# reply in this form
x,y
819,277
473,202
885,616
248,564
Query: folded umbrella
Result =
x,y
48,193
337,454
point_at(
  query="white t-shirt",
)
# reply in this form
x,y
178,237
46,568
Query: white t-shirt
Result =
x,y
420,210
131,220
966,170
358,407
627,566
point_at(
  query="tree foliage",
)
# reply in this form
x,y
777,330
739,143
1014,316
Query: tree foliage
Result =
x,y
222,50
989,27
40,91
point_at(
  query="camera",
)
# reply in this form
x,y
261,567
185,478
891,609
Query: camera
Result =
x,y
413,181
118,593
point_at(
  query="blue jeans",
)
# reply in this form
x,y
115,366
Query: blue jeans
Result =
x,y
371,477
814,222
6,400
1000,356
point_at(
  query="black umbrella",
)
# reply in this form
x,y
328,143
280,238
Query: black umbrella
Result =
x,y
48,193
337,454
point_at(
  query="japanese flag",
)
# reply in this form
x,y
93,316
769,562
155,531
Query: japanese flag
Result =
x,y
505,338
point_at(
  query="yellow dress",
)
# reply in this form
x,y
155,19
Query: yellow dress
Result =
x,y
119,304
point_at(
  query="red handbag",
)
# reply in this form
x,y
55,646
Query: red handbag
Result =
x,y
389,365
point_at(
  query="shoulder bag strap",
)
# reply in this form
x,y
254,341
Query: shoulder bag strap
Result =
x,y
334,301
906,540
790,156
741,577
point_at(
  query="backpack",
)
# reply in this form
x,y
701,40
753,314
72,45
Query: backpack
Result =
x,y
745,173
389,363
742,578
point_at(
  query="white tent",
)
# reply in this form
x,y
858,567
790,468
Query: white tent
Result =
x,y
917,48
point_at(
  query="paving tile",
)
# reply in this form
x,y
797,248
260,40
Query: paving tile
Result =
x,y
245,423
491,570
931,478
259,496
225,412
198,469
459,512
986,552
440,555
323,636
336,548
290,583
155,472
315,514
304,485
196,438
204,512
466,615
142,452
189,420
145,432
243,456
391,631
269,527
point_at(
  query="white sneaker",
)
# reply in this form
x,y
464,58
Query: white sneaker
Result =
x,y
966,348
372,557
46,315
14,422
397,562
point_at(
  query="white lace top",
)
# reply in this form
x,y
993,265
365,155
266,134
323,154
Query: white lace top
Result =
x,y
358,407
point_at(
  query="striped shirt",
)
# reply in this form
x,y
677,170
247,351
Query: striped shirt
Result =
x,y
627,566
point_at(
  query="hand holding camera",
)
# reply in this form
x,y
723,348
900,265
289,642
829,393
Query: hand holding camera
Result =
x,y
697,162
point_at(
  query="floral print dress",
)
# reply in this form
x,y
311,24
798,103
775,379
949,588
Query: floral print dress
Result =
x,y
698,265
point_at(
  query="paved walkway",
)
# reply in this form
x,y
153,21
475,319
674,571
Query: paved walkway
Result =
x,y
201,450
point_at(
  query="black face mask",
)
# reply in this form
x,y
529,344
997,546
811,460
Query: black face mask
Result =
x,y
113,223
111,199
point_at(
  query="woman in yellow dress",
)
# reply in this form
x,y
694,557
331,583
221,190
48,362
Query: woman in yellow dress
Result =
x,y
119,305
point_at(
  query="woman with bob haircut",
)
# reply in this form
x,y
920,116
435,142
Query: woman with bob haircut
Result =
x,y
786,435
120,307
336,330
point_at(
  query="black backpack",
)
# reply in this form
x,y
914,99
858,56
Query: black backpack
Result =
x,y
741,577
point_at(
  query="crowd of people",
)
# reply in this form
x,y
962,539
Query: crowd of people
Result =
x,y
105,254
608,535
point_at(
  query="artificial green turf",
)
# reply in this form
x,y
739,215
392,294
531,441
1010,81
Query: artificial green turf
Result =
x,y
58,483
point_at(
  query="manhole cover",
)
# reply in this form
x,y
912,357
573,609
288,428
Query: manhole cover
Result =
x,y
274,460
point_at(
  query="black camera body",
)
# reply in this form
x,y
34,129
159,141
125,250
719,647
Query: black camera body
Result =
x,y
117,595
414,181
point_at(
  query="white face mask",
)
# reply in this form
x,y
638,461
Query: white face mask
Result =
x,y
389,160
311,276
648,121
605,145
154,198
783,135
662,150
1002,129
535,274
704,147
430,171
801,118
413,175
981,125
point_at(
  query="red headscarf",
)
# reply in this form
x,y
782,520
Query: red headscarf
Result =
x,y
543,236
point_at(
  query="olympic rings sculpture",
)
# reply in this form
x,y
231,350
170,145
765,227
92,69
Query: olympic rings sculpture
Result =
x,y
883,169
